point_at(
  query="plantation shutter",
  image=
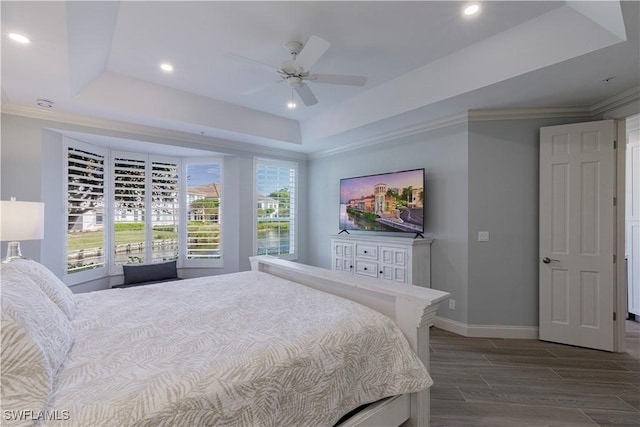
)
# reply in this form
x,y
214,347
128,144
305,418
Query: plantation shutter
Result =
x,y
165,211
129,187
85,209
276,207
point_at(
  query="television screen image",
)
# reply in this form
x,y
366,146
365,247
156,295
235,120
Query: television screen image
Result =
x,y
391,201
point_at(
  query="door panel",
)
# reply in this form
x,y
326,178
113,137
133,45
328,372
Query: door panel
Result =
x,y
632,220
577,274
560,296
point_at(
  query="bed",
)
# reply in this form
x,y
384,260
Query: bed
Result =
x,y
252,348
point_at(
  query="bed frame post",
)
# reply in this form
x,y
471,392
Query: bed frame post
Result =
x,y
410,315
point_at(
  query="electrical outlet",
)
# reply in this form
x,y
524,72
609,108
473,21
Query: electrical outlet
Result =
x,y
452,304
483,236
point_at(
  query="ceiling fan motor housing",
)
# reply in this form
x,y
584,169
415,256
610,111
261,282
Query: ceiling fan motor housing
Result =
x,y
290,68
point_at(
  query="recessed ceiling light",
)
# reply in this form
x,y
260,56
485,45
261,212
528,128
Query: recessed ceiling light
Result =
x,y
19,38
471,9
166,67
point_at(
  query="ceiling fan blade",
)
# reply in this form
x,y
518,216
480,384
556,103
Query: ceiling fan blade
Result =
x,y
245,60
311,52
339,79
305,94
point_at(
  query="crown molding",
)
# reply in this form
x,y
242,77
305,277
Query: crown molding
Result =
x,y
135,130
617,101
529,113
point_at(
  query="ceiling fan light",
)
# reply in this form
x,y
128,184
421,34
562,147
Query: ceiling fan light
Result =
x,y
291,105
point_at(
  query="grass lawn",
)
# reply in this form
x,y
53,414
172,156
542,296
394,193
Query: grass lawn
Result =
x,y
87,240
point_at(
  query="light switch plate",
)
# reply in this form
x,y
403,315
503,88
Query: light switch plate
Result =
x,y
483,236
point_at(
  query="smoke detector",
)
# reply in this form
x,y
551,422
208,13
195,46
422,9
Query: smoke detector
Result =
x,y
45,103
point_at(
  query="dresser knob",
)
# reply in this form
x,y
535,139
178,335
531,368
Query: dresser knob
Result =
x,y
365,269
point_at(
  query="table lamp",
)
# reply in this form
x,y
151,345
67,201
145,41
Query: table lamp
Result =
x,y
20,221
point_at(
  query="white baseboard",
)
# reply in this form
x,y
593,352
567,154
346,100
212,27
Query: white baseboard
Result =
x,y
486,331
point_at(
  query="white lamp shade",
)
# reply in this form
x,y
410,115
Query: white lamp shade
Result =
x,y
21,220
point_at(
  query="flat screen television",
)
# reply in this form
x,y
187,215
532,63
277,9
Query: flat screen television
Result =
x,y
392,201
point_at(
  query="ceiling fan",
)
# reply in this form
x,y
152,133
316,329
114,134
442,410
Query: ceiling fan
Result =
x,y
296,71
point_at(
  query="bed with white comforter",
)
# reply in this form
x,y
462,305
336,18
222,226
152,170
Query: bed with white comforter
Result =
x,y
243,349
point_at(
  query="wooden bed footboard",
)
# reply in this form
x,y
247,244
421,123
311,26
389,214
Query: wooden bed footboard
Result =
x,y
412,308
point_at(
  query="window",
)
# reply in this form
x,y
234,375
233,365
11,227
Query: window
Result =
x,y
129,200
204,193
276,186
146,209
130,208
85,197
165,209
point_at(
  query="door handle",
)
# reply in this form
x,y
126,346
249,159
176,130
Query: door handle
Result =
x,y
547,260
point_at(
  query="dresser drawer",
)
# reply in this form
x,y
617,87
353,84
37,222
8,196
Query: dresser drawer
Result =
x,y
367,251
365,268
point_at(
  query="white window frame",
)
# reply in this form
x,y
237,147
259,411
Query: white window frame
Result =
x,y
277,163
200,263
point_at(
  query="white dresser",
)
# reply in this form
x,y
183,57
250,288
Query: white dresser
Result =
x,y
393,259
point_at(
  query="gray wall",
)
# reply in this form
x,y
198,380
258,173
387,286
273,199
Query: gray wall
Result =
x,y
32,162
20,159
503,200
443,154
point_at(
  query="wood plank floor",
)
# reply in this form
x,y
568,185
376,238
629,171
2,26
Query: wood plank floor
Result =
x,y
514,382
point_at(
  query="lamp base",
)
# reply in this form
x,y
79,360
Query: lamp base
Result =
x,y
13,252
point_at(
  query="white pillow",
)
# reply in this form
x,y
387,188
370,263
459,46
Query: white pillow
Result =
x,y
50,284
36,337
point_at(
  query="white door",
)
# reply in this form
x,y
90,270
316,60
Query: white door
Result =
x,y
632,219
577,214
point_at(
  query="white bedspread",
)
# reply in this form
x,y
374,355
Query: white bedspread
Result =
x,y
246,349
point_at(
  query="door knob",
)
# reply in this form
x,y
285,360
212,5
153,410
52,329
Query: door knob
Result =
x,y
547,260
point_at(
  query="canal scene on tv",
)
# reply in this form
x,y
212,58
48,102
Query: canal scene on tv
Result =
x,y
384,202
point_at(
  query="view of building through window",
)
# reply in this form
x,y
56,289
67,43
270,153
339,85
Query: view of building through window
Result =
x,y
204,191
276,208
